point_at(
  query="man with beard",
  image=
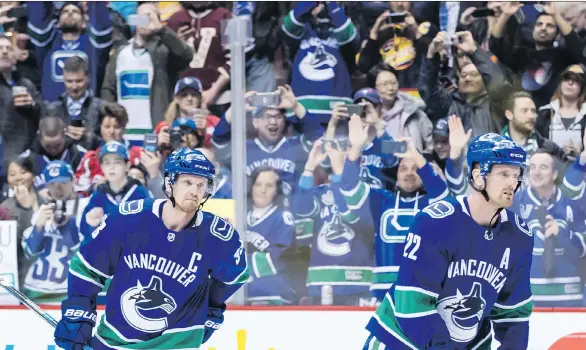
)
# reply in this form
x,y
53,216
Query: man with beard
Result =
x,y
271,147
55,40
539,66
141,74
171,265
558,228
52,144
521,113
418,185
199,24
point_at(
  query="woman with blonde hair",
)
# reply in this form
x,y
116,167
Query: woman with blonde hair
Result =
x,y
564,118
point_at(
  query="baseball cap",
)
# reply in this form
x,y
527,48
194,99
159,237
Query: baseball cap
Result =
x,y
57,171
441,129
367,93
188,83
575,72
184,122
114,147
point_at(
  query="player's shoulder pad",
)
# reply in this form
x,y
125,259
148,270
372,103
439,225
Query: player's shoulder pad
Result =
x,y
132,207
440,209
288,218
220,228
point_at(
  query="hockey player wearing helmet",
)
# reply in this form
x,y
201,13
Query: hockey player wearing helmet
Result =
x,y
466,265
172,266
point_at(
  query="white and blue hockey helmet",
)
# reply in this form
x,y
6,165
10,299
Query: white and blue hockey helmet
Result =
x,y
190,161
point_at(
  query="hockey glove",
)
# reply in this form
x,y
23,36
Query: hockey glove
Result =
x,y
302,12
215,319
337,15
77,322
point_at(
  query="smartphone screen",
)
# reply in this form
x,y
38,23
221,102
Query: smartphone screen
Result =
x,y
150,143
392,147
483,12
396,17
355,109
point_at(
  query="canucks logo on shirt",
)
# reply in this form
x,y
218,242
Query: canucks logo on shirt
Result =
x,y
318,65
139,302
462,313
335,237
134,85
58,59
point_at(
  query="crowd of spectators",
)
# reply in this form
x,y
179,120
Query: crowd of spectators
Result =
x,y
358,116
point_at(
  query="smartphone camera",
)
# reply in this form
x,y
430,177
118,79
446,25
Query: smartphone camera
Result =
x,y
150,143
58,211
269,99
396,17
355,109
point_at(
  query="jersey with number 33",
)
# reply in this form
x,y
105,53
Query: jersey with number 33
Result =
x,y
162,280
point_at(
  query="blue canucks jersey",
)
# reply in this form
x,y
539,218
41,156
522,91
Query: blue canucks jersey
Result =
x,y
455,278
50,249
287,156
373,161
341,240
560,283
392,215
162,281
271,257
52,51
103,198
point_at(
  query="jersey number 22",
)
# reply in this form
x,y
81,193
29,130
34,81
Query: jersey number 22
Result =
x,y
411,246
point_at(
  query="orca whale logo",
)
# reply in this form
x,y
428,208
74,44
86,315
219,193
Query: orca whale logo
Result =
x,y
137,301
462,313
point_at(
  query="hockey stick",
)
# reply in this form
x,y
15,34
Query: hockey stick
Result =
x,y
33,306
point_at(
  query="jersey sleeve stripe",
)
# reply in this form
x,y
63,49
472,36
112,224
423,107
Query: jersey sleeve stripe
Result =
x,y
356,197
241,278
87,279
386,319
90,267
504,320
262,265
519,304
416,289
412,307
520,313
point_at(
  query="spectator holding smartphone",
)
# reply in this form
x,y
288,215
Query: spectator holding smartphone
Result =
x,y
20,104
140,74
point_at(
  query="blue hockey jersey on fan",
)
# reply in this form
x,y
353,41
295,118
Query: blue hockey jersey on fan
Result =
x,y
52,51
563,284
341,240
320,76
392,215
50,250
271,257
287,156
108,201
373,161
456,278
161,280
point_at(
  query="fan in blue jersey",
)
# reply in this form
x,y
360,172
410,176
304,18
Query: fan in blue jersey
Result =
x,y
418,185
119,187
172,267
466,264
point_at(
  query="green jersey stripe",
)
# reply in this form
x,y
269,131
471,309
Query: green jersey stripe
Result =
x,y
520,311
187,338
412,304
385,316
339,275
356,197
262,265
78,268
292,27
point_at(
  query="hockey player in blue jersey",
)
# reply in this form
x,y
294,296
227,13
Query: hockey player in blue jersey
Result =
x,y
466,264
119,187
172,266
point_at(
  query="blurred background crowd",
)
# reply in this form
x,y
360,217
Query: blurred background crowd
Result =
x,y
358,116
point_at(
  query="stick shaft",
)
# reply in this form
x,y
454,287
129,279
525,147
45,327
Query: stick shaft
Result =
x,y
33,306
